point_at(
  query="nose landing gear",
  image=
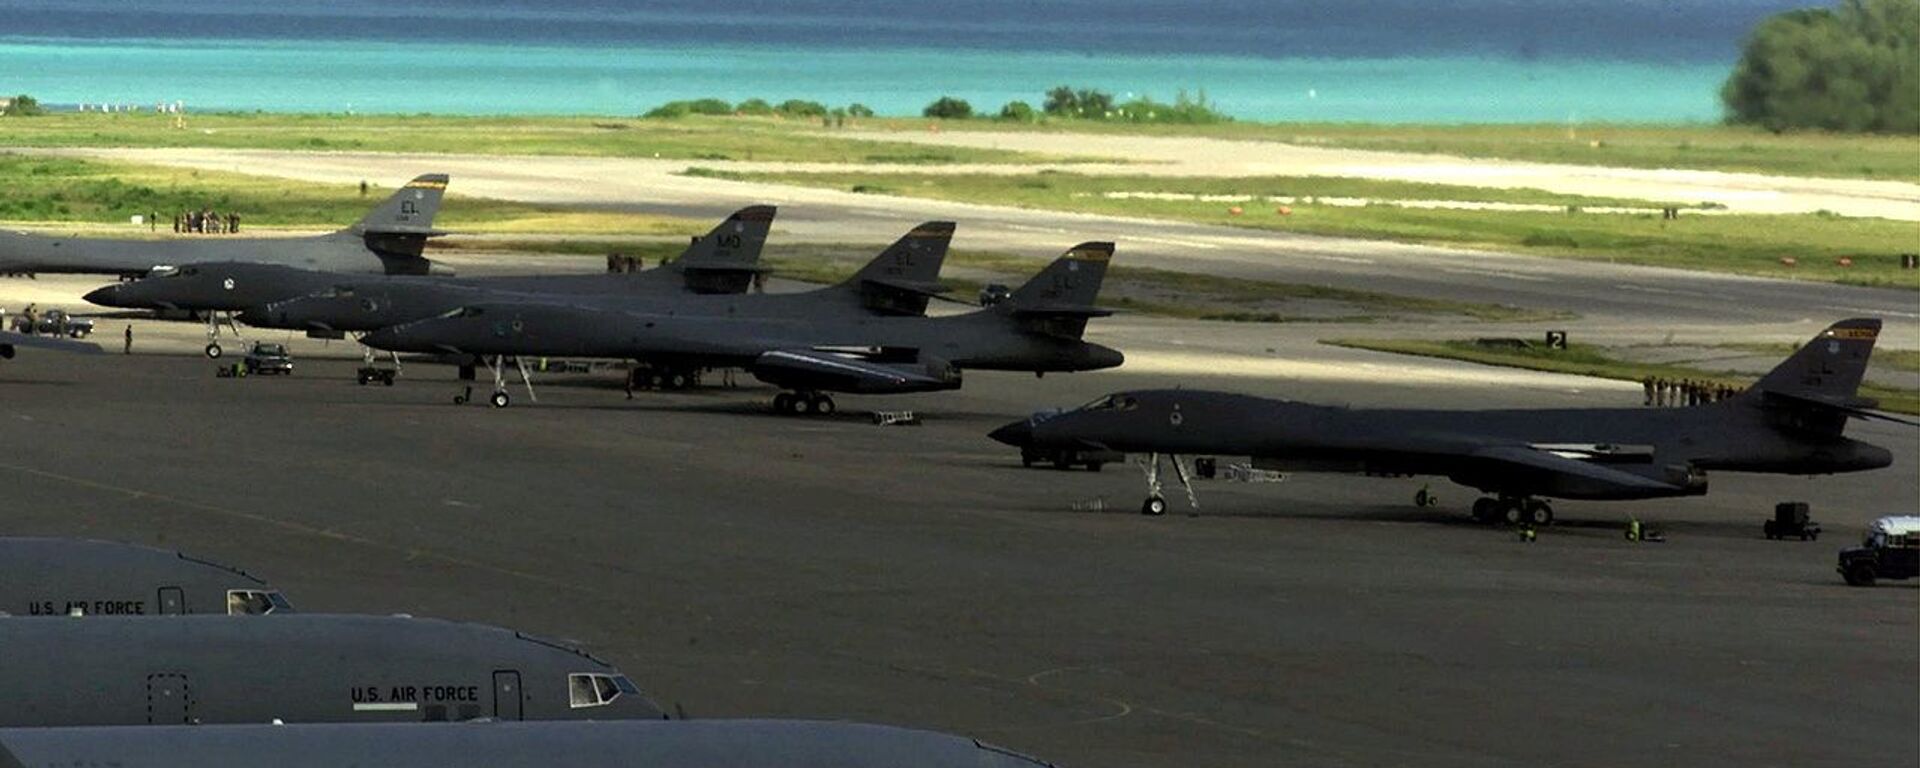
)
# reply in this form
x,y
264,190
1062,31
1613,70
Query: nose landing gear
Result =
x,y
1156,504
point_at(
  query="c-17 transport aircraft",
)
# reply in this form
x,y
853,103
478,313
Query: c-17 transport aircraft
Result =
x,y
1038,329
301,667
1790,422
388,240
724,260
84,577
612,744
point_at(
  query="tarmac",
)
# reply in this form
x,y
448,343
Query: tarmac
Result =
x,y
738,563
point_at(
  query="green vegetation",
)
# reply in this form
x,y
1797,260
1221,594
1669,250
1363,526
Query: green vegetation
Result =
x,y
791,108
693,138
1019,112
948,108
1742,244
1597,361
1143,290
68,190
1066,102
1852,68
21,106
1737,148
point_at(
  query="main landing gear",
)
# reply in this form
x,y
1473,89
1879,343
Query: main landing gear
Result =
x,y
1156,504
214,321
803,403
499,398
1513,510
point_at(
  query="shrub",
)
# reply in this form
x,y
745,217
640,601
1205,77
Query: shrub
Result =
x,y
949,108
1017,111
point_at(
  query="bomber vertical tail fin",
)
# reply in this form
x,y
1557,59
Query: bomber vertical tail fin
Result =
x,y
1829,368
726,258
408,211
1060,299
900,279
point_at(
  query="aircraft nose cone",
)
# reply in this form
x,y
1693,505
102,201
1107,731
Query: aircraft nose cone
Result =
x,y
106,296
1105,357
1018,434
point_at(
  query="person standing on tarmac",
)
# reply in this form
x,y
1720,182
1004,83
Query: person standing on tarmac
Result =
x,y
128,348
1646,384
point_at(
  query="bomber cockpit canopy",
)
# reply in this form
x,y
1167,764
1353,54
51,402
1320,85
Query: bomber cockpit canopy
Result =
x,y
1114,402
593,689
256,602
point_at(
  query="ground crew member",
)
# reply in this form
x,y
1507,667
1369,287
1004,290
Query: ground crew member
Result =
x,y
128,349
1633,529
631,374
1646,383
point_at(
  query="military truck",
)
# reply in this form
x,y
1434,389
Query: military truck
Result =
x,y
1891,550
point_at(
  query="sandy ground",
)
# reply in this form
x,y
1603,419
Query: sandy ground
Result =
x,y
1186,156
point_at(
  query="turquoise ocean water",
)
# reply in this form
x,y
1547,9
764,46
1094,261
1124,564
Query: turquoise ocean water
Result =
x,y
1359,60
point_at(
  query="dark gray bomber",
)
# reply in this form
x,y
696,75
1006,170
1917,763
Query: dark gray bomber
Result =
x,y
1037,329
1790,422
68,577
644,744
296,668
388,240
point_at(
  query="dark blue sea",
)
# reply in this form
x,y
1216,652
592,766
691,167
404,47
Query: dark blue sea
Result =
x,y
1362,60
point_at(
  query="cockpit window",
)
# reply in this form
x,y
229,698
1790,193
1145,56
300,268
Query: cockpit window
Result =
x,y
1112,403
586,689
255,602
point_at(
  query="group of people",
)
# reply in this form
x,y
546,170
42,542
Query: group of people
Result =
x,y
1664,393
205,221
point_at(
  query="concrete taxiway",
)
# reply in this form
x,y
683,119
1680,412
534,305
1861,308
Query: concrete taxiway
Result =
x,y
738,563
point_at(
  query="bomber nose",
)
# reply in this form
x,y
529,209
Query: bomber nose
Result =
x,y
106,296
1018,434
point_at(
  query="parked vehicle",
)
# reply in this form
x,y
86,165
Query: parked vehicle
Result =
x,y
1891,551
265,357
54,322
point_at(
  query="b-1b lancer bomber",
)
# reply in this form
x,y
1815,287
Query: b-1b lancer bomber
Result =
x,y
1791,422
724,261
388,240
811,353
624,744
313,668
84,577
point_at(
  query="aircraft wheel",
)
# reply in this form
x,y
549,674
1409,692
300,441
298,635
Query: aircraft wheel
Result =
x,y
1539,513
782,403
1155,506
1485,509
822,405
677,381
213,351
1511,511
500,400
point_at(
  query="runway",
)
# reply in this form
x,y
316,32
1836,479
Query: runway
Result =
x,y
1617,298
738,563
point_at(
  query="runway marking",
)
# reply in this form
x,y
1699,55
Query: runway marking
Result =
x,y
1172,242
1660,291
1345,259
1874,312
1031,228
411,553
1495,273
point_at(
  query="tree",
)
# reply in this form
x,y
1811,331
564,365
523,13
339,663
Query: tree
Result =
x,y
1853,68
23,106
1017,111
949,108
859,110
753,107
800,108
1061,101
